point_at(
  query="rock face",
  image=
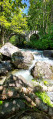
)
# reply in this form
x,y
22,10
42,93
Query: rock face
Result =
x,y
5,66
17,96
22,60
10,107
35,115
48,53
8,49
15,81
42,70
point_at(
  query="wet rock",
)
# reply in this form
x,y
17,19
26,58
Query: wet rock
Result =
x,y
42,70
8,49
48,53
22,60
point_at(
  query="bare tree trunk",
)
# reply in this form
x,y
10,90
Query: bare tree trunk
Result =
x,y
2,36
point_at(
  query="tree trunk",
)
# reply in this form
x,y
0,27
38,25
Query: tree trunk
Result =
x,y
2,36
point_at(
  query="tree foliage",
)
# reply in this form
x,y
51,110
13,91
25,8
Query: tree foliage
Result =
x,y
41,15
11,17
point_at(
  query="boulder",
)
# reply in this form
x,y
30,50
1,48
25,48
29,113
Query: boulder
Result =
x,y
35,115
5,66
42,70
22,60
48,53
9,108
16,81
8,49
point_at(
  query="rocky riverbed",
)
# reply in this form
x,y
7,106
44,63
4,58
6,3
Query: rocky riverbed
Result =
x,y
23,73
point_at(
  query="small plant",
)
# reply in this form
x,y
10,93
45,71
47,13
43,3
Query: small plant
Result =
x,y
44,97
45,82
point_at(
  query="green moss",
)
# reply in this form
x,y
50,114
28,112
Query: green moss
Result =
x,y
44,97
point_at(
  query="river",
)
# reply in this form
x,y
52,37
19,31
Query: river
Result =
x,y
38,56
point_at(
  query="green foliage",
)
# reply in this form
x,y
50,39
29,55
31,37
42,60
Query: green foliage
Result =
x,y
40,12
11,17
1,102
45,42
45,82
44,97
12,40
17,40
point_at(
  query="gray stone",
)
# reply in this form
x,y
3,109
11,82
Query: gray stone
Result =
x,y
48,53
5,66
42,70
50,111
22,60
8,49
10,106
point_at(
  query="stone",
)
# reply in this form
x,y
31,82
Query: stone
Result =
x,y
5,66
50,111
8,49
22,60
16,81
9,107
42,70
35,115
48,53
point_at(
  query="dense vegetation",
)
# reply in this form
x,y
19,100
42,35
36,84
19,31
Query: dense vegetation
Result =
x,y
14,23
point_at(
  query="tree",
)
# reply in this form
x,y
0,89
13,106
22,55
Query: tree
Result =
x,y
11,18
40,15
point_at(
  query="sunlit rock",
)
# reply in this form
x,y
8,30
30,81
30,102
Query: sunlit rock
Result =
x,y
42,70
8,49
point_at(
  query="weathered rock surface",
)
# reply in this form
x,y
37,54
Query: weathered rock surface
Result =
x,y
5,66
22,60
48,53
16,88
42,70
11,107
8,49
35,115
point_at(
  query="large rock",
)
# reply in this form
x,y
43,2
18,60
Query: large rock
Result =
x,y
48,53
15,81
22,60
5,66
8,49
35,115
9,108
42,70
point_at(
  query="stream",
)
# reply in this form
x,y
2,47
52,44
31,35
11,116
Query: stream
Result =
x,y
38,56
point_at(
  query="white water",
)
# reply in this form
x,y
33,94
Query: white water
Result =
x,y
38,56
